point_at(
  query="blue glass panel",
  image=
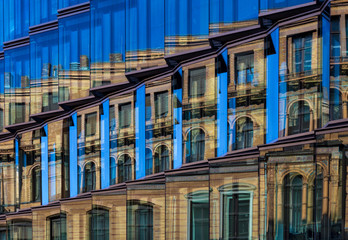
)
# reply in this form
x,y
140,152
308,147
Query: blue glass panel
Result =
x,y
222,75
68,3
325,30
2,23
177,120
223,13
42,11
74,57
16,17
144,34
2,91
44,71
186,24
44,167
272,65
105,144
17,85
140,133
276,4
73,156
108,34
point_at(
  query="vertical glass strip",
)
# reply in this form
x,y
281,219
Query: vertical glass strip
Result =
x,y
73,155
272,76
44,166
105,144
177,120
325,67
140,133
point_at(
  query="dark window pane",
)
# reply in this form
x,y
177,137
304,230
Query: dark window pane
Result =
x,y
161,104
91,124
197,78
125,111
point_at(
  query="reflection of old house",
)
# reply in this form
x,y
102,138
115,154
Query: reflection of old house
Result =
x,y
173,119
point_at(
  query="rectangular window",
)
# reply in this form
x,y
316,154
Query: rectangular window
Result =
x,y
244,68
161,104
17,113
58,228
302,53
199,220
335,36
197,79
91,124
125,111
148,107
236,215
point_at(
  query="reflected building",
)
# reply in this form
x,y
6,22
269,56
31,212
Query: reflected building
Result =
x,y
173,119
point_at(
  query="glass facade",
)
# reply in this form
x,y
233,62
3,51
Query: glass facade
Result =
x,y
173,119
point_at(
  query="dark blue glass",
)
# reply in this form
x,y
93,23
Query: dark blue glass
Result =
x,y
108,35
17,85
144,34
42,11
74,57
16,15
224,13
2,23
186,24
2,90
68,3
276,4
44,71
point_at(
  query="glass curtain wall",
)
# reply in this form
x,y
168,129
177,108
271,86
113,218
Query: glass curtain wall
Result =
x,y
144,34
58,160
42,11
246,101
159,130
108,42
17,85
44,72
122,138
29,169
88,152
74,57
199,111
16,19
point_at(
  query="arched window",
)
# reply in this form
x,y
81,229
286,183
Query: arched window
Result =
x,y
335,104
98,224
244,133
299,118
195,145
124,168
292,199
112,171
89,177
161,159
36,184
148,161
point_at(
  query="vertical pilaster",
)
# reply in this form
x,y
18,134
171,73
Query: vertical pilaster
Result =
x,y
177,120
44,166
73,155
105,144
140,133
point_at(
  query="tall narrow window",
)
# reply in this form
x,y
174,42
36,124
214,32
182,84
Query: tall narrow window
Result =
x,y
3,233
244,68
17,113
335,104
36,184
58,227
299,118
112,171
91,124
124,168
335,36
195,145
198,215
236,215
139,220
89,177
148,161
148,110
161,159
197,79
292,210
125,118
161,104
98,224
302,53
244,133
